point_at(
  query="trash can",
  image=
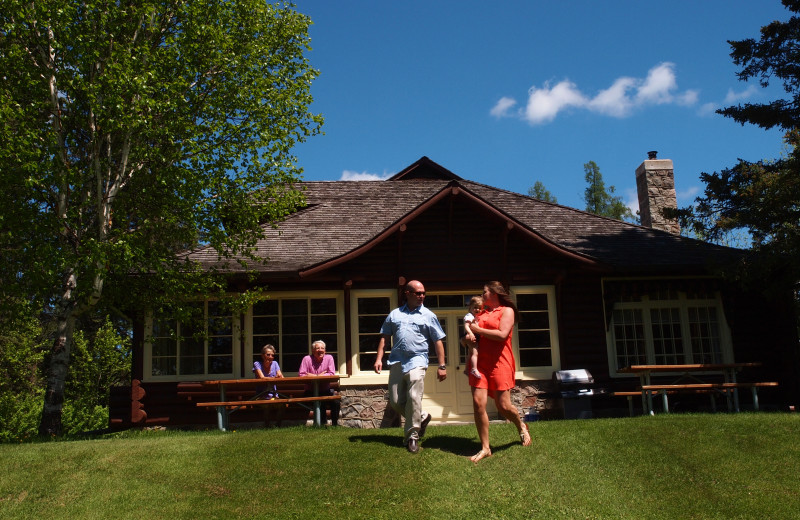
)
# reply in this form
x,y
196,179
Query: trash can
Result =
x,y
575,388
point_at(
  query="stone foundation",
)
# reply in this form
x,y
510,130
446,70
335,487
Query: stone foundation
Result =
x,y
368,406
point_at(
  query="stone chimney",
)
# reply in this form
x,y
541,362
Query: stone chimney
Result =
x,y
655,183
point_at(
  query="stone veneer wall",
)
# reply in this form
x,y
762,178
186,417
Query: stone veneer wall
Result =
x,y
655,184
368,406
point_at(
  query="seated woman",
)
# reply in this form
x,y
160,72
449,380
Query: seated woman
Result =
x,y
268,367
321,364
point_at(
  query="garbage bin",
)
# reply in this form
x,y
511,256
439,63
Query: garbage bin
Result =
x,y
575,388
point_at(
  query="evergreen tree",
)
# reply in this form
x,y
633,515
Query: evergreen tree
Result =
x,y
538,191
601,201
761,198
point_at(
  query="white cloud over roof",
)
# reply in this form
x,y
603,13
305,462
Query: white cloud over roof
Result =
x,y
625,95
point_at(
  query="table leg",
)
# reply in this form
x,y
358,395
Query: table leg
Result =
x,y
731,377
317,411
646,381
222,412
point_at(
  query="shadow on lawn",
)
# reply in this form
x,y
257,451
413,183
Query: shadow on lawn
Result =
x,y
446,443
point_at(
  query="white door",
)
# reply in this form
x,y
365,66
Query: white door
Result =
x,y
451,399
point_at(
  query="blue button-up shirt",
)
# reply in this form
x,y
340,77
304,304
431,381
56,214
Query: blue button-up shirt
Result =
x,y
412,331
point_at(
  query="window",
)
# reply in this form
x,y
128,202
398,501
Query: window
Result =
x,y
202,347
665,327
535,336
290,324
371,309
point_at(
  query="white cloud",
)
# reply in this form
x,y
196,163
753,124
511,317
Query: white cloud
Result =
x,y
502,107
625,95
614,101
658,86
736,97
349,175
731,98
632,197
707,109
545,103
688,194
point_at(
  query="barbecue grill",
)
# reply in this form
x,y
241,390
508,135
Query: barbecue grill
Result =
x,y
576,389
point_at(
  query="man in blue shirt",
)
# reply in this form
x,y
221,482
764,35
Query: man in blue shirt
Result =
x,y
411,328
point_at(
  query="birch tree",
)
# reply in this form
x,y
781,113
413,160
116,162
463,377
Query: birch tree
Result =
x,y
132,130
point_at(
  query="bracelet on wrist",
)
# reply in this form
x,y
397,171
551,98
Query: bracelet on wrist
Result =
x,y
442,367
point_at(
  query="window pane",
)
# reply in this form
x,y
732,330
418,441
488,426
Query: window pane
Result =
x,y
220,365
323,306
534,320
534,339
162,366
532,301
165,347
265,307
220,345
192,347
294,307
450,300
370,324
379,305
325,323
265,325
295,325
192,365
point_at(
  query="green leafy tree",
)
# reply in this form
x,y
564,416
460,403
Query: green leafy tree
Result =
x,y
22,349
129,131
538,191
761,198
601,201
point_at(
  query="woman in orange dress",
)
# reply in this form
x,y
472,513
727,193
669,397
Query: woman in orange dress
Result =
x,y
496,364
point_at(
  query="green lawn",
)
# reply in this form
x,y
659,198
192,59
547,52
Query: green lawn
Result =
x,y
668,466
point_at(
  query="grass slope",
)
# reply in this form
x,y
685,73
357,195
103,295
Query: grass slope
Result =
x,y
668,466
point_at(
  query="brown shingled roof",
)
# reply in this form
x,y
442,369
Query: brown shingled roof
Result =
x,y
344,218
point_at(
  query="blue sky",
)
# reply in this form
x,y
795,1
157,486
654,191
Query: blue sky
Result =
x,y
510,92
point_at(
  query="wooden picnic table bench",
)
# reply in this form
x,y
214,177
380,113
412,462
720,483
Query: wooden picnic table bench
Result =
x,y
226,407
689,381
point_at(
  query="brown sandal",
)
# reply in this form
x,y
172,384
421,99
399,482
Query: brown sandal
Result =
x,y
480,455
525,435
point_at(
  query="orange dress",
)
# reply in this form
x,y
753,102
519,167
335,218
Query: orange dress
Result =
x,y
495,358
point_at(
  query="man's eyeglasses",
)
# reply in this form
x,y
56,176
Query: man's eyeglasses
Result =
x,y
418,293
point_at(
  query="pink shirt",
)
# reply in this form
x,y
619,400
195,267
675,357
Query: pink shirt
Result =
x,y
310,367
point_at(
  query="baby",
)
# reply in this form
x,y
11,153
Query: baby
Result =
x,y
475,308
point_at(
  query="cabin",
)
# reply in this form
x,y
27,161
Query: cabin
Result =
x,y
593,293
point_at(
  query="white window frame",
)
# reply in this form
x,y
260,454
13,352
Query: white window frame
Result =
x,y
366,375
148,352
542,372
339,353
682,303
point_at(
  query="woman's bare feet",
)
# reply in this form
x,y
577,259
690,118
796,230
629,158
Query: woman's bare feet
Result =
x,y
525,435
480,455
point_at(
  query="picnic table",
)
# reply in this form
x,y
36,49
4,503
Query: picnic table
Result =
x,y
693,378
225,407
